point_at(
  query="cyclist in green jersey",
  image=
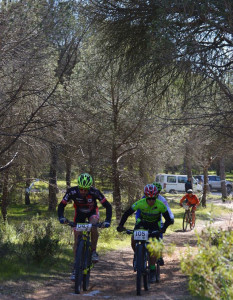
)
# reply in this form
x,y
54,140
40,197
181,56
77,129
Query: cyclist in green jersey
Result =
x,y
151,209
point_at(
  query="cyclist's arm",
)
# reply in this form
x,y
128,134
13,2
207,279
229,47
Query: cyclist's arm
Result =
x,y
61,208
67,198
108,207
168,220
125,216
182,199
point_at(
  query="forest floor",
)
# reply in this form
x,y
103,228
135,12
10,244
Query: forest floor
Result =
x,y
114,278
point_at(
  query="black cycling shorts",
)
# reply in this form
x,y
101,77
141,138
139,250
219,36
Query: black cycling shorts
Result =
x,y
147,225
81,217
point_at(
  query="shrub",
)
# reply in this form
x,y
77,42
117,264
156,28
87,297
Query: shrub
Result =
x,y
210,270
45,245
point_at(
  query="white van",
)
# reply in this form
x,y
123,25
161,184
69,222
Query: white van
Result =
x,y
176,183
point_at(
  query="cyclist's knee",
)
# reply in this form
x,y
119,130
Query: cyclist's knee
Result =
x,y
94,219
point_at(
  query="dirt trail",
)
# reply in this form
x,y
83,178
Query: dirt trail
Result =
x,y
113,277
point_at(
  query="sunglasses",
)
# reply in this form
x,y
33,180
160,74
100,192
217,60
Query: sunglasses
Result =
x,y
151,199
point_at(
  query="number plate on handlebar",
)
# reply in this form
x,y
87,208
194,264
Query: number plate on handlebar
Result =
x,y
83,227
140,235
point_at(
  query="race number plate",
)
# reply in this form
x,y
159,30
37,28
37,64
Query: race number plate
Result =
x,y
83,227
140,235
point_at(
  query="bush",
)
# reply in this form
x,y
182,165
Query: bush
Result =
x,y
210,270
35,240
45,245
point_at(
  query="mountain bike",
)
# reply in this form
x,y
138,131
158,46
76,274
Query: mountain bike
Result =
x,y
141,258
187,218
83,256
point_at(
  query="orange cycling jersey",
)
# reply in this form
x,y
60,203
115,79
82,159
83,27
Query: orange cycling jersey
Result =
x,y
192,199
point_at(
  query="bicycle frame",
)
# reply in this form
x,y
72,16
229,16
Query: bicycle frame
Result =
x,y
187,218
85,236
83,261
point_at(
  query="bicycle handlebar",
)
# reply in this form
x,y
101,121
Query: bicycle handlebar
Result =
x,y
73,224
154,233
186,206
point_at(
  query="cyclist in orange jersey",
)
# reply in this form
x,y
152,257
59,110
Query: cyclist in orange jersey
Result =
x,y
191,200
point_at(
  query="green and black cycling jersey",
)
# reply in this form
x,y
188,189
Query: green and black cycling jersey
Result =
x,y
149,214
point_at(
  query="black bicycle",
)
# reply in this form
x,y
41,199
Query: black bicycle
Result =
x,y
141,258
187,218
83,256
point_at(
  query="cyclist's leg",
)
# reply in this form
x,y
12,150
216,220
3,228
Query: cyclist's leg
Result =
x,y
79,218
193,215
94,219
152,259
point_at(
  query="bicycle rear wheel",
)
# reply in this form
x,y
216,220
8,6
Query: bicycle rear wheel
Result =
x,y
139,260
79,264
185,220
87,268
146,272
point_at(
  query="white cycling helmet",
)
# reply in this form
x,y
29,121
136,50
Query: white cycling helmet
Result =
x,y
190,191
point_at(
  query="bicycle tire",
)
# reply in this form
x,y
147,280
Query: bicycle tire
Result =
x,y
185,220
79,264
157,272
87,267
139,260
146,271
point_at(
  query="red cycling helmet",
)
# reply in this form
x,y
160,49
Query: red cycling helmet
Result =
x,y
150,191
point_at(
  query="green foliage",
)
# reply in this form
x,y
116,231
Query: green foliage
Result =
x,y
155,247
210,270
31,243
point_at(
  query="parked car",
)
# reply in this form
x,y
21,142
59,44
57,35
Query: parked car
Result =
x,y
176,183
214,183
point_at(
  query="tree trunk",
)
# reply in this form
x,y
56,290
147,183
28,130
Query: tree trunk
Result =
x,y
116,185
68,172
142,170
188,161
91,161
5,195
130,185
205,186
27,184
223,179
53,179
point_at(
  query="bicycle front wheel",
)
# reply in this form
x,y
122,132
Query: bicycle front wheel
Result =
x,y
139,260
87,268
146,271
79,265
185,220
